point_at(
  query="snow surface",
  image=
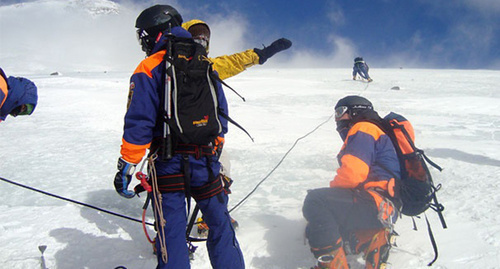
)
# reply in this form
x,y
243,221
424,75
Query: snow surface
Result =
x,y
71,143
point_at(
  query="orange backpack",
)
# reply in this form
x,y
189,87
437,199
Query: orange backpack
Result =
x,y
415,187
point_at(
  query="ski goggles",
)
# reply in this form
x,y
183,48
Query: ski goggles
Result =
x,y
340,111
22,110
142,35
325,260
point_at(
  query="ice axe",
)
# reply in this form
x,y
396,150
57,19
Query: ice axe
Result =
x,y
42,249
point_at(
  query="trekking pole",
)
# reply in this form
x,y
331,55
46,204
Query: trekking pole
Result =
x,y
167,141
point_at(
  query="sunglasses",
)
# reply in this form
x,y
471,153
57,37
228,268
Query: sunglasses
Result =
x,y
22,110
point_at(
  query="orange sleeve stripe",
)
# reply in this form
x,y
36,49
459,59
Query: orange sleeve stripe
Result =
x,y
133,153
367,128
351,173
150,63
3,88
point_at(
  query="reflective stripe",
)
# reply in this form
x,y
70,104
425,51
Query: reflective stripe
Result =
x,y
214,97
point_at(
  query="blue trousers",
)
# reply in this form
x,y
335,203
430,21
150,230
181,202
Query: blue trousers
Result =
x,y
222,245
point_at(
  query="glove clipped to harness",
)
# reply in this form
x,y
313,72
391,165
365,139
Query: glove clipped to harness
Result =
x,y
277,46
123,178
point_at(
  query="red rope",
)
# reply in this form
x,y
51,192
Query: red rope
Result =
x,y
144,226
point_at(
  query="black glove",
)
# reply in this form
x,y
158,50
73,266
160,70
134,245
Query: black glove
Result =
x,y
123,178
275,47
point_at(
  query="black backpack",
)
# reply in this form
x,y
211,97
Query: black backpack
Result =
x,y
190,103
415,188
191,94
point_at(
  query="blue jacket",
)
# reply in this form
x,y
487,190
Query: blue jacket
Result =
x,y
365,151
141,124
16,91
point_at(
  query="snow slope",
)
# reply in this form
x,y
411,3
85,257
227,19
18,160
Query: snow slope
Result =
x,y
70,145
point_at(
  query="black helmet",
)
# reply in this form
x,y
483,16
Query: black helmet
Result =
x,y
353,105
357,107
358,59
153,21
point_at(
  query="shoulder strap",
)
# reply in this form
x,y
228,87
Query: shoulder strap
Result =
x,y
433,241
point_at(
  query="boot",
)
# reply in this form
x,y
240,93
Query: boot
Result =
x,y
377,253
333,260
202,227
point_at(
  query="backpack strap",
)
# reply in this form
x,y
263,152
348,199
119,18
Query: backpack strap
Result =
x,y
216,78
225,116
436,206
433,241
430,161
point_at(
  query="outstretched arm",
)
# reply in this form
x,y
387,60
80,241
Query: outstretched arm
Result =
x,y
231,65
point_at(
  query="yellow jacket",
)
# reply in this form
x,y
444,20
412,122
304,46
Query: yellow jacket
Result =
x,y
229,65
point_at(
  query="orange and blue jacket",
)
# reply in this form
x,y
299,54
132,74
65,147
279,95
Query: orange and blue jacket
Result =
x,y
4,89
365,151
15,91
142,122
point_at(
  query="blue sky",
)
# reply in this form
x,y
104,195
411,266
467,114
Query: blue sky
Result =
x,y
428,33
459,34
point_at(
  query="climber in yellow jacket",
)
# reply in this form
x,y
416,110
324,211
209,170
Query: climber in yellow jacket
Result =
x,y
231,65
228,66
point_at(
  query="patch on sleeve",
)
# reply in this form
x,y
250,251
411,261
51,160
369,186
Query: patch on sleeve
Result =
x,y
130,93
